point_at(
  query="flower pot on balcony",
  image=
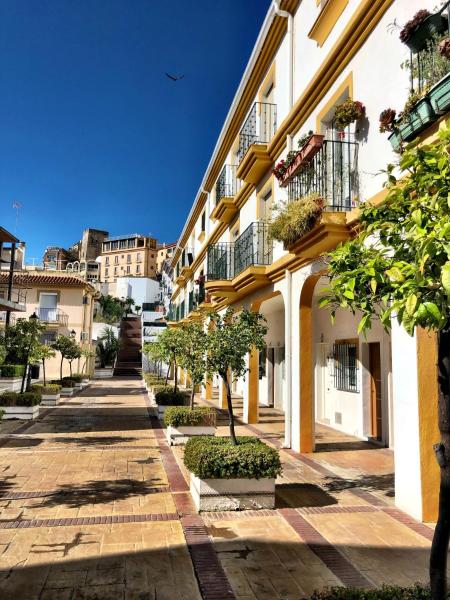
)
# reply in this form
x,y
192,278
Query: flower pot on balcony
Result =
x,y
425,31
305,155
417,120
439,95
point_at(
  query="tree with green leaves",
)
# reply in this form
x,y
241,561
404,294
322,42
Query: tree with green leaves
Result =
x,y
398,267
20,341
65,346
232,338
128,304
111,308
41,353
87,354
73,354
153,352
193,354
171,343
107,347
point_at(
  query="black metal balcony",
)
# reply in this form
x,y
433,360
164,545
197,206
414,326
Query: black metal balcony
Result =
x,y
252,248
333,174
227,184
52,315
259,127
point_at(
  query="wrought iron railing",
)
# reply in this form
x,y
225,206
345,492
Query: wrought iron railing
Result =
x,y
187,258
253,247
333,174
12,318
191,301
220,261
259,127
227,184
52,315
201,292
17,293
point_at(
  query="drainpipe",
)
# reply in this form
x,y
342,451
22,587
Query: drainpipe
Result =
x,y
290,33
288,360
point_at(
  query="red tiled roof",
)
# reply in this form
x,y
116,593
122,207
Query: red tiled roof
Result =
x,y
24,278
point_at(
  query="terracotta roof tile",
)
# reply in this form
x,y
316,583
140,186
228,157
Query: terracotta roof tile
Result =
x,y
32,278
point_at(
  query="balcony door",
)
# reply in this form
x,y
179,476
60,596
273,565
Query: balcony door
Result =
x,y
340,161
48,306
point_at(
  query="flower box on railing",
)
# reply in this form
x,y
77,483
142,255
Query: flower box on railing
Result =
x,y
418,119
304,156
439,95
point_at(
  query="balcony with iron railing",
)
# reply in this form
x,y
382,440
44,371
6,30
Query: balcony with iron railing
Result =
x,y
228,260
52,316
332,174
183,269
227,187
256,133
12,297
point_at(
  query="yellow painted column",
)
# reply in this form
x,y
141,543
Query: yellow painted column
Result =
x,y
427,388
251,396
222,394
181,377
188,379
208,389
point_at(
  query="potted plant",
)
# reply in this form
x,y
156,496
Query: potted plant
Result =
x,y
67,386
348,112
421,28
183,423
293,220
309,145
50,393
439,92
224,476
165,396
106,350
17,405
11,377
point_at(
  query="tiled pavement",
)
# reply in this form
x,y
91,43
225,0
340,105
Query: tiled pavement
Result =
x,y
95,505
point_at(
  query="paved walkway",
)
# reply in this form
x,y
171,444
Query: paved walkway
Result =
x,y
95,505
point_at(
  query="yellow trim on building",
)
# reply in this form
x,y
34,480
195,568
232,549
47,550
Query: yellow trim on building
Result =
x,y
326,20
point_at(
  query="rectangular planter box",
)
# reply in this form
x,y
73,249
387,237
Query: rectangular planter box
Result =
x,y
50,399
79,386
103,373
161,411
440,95
10,384
232,494
20,412
67,391
180,435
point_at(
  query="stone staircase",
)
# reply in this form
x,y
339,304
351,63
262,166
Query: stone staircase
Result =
x,y
129,359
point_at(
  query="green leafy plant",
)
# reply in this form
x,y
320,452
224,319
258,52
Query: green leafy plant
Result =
x,y
180,416
348,112
231,339
304,138
20,399
65,345
193,354
412,24
170,398
49,388
386,592
218,458
12,370
111,310
41,353
398,266
171,347
87,354
294,219
107,347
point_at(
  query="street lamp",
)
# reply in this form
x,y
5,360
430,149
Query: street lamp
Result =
x,y
33,318
73,334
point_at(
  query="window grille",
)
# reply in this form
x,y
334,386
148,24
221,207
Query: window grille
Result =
x,y
346,369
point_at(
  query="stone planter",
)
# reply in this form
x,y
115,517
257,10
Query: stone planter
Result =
x,y
103,373
66,391
10,384
180,435
20,412
78,386
50,399
232,494
161,410
439,95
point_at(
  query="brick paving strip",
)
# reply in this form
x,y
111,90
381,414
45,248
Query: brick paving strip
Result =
x,y
107,520
328,554
27,495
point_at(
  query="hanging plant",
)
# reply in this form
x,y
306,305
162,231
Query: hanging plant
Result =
x,y
412,24
348,112
295,219
280,169
387,120
421,28
444,48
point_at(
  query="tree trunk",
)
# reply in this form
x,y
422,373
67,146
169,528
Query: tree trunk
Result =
x,y
43,371
168,372
60,368
230,408
70,367
175,377
24,377
439,547
192,395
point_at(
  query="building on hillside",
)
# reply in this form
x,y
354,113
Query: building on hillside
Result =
x,y
56,258
309,58
128,255
165,253
12,294
64,303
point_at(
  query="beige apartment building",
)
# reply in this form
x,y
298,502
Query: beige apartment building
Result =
x,y
165,252
127,256
64,303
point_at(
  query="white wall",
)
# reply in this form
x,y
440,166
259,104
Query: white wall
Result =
x,y
141,289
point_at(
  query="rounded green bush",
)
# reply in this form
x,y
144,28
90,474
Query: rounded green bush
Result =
x,y
12,370
17,399
49,388
217,458
387,592
183,416
169,398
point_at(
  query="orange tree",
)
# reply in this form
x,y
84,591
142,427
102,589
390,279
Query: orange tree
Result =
x,y
398,266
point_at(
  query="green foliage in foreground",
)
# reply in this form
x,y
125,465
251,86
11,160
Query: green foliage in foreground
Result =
x,y
12,370
169,397
218,458
17,399
388,592
49,388
181,416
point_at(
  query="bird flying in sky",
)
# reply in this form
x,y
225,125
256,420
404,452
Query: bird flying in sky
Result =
x,y
174,77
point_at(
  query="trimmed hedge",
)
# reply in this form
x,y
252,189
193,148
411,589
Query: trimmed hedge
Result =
x,y
64,382
168,397
387,592
12,370
49,388
183,416
2,412
217,458
161,387
80,376
76,378
17,399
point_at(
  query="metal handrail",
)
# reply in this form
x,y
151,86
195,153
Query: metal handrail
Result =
x,y
227,184
258,128
52,315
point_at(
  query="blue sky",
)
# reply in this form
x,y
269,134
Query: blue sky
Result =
x,y
92,132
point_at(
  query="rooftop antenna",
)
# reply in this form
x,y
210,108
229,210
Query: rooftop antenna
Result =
x,y
17,206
